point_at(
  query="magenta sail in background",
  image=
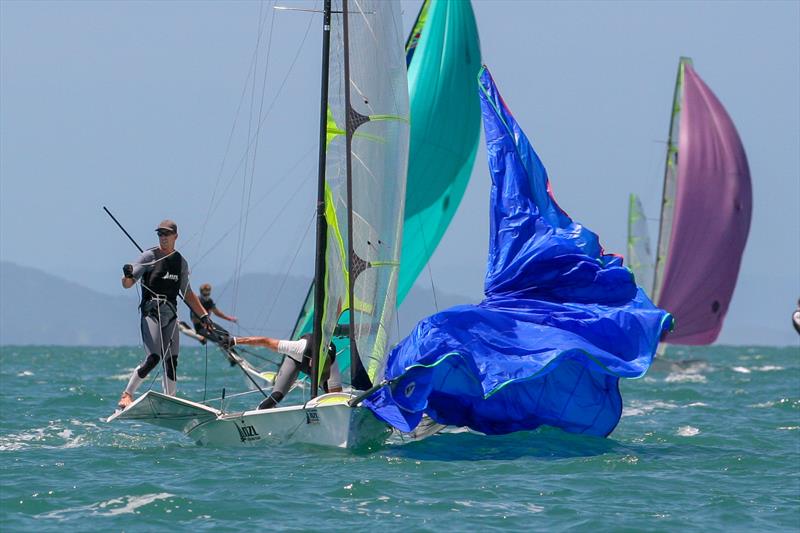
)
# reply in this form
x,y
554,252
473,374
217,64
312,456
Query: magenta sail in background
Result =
x,y
713,205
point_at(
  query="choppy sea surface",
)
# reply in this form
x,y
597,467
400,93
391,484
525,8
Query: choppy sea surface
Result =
x,y
709,439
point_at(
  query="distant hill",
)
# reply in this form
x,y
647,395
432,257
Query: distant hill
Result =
x,y
39,308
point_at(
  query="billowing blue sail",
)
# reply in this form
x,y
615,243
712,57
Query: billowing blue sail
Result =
x,y
561,321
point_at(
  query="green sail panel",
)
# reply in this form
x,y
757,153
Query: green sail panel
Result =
x,y
640,255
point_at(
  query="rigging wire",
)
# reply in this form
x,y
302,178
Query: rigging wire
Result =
x,y
205,374
286,275
250,71
264,118
242,205
267,194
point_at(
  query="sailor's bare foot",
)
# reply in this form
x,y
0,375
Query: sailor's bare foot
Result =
x,y
125,400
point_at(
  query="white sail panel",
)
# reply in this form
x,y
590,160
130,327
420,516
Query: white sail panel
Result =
x,y
379,159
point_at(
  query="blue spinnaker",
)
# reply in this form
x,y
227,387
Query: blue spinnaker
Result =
x,y
560,323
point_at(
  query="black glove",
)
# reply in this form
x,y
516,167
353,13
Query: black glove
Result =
x,y
228,342
127,271
205,320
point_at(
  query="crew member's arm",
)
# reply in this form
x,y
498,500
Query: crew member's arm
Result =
x,y
222,315
266,342
293,349
131,273
193,302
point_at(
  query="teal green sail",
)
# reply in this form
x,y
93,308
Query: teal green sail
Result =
x,y
443,56
445,122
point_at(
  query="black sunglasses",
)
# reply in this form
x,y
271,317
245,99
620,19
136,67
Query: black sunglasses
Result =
x,y
165,233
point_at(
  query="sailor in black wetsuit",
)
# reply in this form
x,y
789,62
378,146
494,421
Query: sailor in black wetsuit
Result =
x,y
298,359
164,274
210,307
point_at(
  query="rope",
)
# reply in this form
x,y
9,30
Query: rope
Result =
x,y
205,374
286,275
250,69
213,207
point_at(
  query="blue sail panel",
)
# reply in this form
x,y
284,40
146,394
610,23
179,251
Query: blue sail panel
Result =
x,y
560,323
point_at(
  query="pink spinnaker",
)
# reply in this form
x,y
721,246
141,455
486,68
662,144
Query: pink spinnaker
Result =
x,y
711,217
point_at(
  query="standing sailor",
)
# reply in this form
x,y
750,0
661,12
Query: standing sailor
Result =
x,y
164,275
298,359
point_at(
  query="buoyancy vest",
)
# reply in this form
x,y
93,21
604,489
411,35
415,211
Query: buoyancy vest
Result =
x,y
164,279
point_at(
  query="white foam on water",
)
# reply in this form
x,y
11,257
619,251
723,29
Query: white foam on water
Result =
x,y
637,408
24,373
789,428
112,507
782,401
45,437
687,431
685,377
768,368
508,509
20,441
697,404
741,369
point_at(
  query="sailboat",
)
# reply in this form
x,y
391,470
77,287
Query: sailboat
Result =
x,y
363,157
705,215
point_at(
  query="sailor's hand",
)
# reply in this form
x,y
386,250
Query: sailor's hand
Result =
x,y
205,320
228,342
127,271
234,319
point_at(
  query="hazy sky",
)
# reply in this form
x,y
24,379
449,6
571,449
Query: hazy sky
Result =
x,y
132,104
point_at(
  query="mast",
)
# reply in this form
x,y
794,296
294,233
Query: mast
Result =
x,y
358,375
322,227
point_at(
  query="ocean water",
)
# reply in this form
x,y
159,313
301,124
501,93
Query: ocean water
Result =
x,y
709,439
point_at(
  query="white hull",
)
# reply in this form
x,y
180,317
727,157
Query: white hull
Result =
x,y
327,420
